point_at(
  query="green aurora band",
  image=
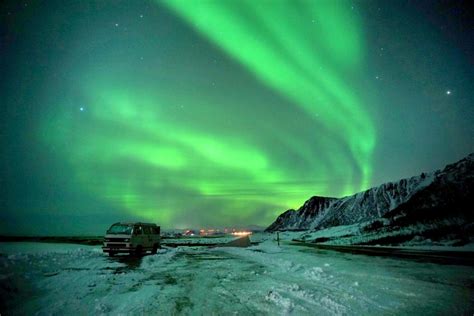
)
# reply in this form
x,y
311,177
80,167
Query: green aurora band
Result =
x,y
195,168
270,40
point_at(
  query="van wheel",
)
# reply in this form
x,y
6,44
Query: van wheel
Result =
x,y
155,249
138,251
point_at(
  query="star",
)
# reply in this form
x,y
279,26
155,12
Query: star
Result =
x,y
448,92
81,109
116,24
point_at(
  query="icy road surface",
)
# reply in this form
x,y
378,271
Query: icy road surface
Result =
x,y
63,279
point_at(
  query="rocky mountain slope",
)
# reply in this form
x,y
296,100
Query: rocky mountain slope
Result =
x,y
440,199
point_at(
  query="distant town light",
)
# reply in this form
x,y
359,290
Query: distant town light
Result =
x,y
241,233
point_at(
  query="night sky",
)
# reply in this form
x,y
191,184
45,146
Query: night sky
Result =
x,y
222,113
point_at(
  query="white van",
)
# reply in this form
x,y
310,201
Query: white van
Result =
x,y
132,238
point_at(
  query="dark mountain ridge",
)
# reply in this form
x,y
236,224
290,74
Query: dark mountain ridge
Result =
x,y
435,205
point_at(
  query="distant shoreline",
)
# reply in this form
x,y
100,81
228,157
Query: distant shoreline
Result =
x,y
92,240
83,240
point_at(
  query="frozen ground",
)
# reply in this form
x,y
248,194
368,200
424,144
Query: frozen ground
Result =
x,y
198,240
63,279
357,234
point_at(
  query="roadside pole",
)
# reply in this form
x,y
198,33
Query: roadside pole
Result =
x,y
278,238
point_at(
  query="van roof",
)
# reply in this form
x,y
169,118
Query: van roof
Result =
x,y
136,223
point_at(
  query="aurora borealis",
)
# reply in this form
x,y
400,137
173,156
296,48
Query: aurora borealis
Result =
x,y
221,113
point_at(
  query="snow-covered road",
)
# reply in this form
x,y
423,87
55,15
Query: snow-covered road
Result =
x,y
264,279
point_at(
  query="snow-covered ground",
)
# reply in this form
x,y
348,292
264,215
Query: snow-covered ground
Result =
x,y
355,234
63,279
199,240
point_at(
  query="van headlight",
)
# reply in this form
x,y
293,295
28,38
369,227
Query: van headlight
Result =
x,y
126,240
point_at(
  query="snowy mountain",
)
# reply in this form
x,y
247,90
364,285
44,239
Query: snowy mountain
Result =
x,y
428,202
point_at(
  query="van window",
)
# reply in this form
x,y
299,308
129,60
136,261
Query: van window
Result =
x,y
120,229
138,230
156,230
147,230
